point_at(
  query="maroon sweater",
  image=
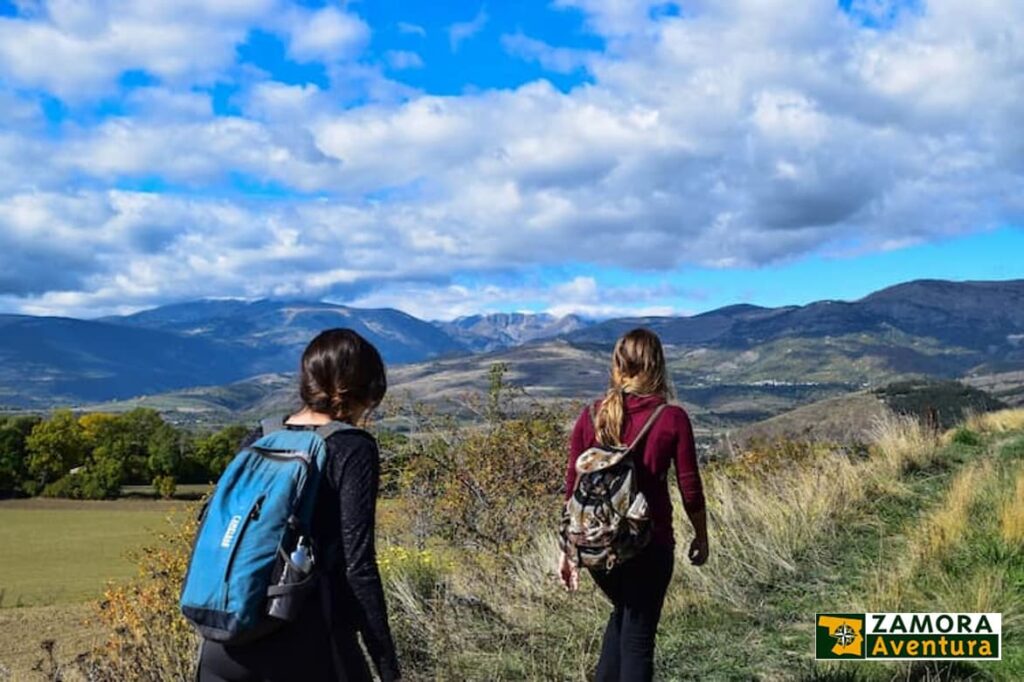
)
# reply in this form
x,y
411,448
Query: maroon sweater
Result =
x,y
669,440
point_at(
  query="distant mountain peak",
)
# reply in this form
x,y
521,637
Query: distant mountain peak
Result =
x,y
494,331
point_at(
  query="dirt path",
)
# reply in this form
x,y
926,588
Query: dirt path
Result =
x,y
23,630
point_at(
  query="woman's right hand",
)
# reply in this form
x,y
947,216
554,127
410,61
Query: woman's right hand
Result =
x,y
569,573
698,551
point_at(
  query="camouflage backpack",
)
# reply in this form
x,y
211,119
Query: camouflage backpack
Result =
x,y
605,521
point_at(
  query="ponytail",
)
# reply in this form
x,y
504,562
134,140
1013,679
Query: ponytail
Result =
x,y
610,415
638,366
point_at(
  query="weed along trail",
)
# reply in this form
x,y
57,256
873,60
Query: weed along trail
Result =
x,y
918,525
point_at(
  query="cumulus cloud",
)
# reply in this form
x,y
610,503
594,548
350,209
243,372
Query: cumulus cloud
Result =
x,y
79,49
730,133
326,34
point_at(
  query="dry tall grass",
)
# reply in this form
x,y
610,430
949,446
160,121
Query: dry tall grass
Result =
x,y
763,524
949,521
1012,515
940,529
900,443
997,422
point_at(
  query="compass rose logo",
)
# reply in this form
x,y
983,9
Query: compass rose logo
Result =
x,y
840,636
844,634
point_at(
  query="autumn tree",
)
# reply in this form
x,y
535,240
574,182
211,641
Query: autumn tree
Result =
x,y
54,447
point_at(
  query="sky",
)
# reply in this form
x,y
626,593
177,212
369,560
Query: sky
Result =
x,y
601,157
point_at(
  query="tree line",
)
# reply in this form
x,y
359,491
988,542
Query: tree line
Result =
x,y
92,456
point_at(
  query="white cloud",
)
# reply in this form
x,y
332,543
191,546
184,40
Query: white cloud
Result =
x,y
557,59
403,59
411,29
326,34
579,295
743,132
461,31
78,50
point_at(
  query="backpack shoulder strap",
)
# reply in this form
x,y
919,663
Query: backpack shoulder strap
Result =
x,y
328,430
277,423
271,424
647,426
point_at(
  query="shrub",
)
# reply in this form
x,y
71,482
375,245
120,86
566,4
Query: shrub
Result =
x,y
149,640
965,436
165,486
489,486
422,568
945,402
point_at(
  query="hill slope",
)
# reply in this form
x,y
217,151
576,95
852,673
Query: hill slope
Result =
x,y
46,360
927,327
972,315
273,333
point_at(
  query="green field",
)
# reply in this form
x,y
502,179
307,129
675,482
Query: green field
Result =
x,y
62,551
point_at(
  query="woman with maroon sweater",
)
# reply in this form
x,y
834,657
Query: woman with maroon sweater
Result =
x,y
637,587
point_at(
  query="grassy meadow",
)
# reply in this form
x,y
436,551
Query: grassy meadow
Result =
x,y
916,521
59,555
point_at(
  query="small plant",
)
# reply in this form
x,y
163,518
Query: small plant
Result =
x,y
425,571
965,436
165,486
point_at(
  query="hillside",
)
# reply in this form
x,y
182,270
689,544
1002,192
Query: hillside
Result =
x,y
554,370
1006,386
47,360
926,327
271,334
548,371
841,419
915,522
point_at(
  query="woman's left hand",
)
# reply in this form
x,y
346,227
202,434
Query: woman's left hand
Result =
x,y
569,574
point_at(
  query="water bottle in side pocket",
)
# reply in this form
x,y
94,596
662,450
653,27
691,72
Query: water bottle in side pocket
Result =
x,y
286,597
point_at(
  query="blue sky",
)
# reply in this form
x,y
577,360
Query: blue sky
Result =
x,y
593,156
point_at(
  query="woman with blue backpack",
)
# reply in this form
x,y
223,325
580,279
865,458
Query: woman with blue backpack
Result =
x,y
617,519
284,572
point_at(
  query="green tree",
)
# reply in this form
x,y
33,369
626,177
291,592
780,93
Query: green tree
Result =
x,y
166,453
111,441
13,469
103,474
213,452
13,455
139,425
55,446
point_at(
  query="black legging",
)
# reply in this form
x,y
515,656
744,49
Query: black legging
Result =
x,y
637,591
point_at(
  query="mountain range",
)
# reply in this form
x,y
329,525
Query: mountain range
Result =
x,y
482,333
783,355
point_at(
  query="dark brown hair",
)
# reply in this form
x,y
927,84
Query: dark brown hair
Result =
x,y
340,373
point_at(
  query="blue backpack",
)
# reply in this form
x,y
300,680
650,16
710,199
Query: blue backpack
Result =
x,y
241,560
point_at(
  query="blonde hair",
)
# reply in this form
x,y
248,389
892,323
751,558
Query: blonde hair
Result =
x,y
638,367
